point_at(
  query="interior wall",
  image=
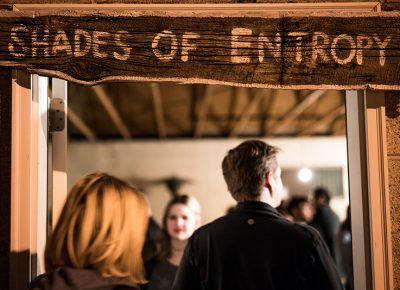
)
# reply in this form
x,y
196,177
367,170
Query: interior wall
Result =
x,y
145,163
393,148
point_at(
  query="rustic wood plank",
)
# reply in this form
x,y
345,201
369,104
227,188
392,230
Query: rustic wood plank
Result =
x,y
112,111
158,110
286,50
81,125
185,7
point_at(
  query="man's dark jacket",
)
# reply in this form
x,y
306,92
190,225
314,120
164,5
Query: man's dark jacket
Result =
x,y
255,248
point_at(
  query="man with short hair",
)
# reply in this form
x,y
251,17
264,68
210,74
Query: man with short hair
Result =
x,y
254,247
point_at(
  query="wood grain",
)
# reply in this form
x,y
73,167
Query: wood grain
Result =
x,y
341,51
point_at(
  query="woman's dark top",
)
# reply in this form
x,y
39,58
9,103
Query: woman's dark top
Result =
x,y
160,275
79,279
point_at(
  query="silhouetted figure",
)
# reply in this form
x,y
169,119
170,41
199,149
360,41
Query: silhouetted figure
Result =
x,y
300,209
326,221
283,210
254,247
153,234
345,242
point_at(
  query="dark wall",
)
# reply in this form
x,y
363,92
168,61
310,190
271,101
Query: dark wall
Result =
x,y
5,175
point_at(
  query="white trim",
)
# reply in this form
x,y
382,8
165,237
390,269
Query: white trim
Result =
x,y
369,192
59,156
40,100
358,190
28,178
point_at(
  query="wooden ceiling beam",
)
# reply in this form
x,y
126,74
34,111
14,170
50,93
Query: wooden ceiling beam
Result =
x,y
81,125
341,128
112,111
232,108
202,111
269,104
325,121
158,110
296,111
247,111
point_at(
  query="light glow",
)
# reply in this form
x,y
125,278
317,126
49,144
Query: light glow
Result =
x,y
305,175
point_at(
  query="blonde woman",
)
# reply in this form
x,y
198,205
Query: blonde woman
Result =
x,y
98,239
181,219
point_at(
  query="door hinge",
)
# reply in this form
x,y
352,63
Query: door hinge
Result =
x,y
56,115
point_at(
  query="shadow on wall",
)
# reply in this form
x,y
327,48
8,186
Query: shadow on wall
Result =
x,y
19,267
393,101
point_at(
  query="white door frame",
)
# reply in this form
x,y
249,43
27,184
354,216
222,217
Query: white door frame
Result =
x,y
30,215
369,190
28,177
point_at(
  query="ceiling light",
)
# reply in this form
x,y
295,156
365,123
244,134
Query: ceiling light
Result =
x,y
305,175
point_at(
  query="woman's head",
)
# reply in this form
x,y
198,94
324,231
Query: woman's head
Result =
x,y
181,218
102,227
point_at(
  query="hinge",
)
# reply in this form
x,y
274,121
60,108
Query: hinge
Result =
x,y
56,115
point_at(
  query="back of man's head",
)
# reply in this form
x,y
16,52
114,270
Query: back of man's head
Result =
x,y
245,167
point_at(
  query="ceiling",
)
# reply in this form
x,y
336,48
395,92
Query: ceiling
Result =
x,y
135,110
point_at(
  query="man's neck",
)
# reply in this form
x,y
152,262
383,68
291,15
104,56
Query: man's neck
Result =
x,y
265,197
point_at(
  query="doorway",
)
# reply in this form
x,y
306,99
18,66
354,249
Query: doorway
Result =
x,y
359,106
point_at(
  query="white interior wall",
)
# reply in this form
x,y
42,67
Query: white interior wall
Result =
x,y
143,162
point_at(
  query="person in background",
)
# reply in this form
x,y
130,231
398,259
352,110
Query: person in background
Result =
x,y
300,209
283,210
98,239
254,247
153,233
346,251
326,221
181,218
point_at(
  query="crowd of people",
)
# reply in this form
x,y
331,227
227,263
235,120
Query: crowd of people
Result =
x,y
318,214
106,238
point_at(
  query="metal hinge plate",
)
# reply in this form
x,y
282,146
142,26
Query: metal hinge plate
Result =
x,y
56,115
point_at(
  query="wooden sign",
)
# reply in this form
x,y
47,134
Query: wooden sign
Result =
x,y
343,51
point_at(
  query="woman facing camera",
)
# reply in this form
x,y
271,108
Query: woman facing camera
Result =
x,y
98,238
181,218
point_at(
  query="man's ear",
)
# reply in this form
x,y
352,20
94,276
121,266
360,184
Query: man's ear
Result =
x,y
269,179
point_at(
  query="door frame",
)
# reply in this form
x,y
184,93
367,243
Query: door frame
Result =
x,y
366,134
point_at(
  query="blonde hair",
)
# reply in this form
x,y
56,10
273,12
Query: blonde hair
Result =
x,y
102,227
